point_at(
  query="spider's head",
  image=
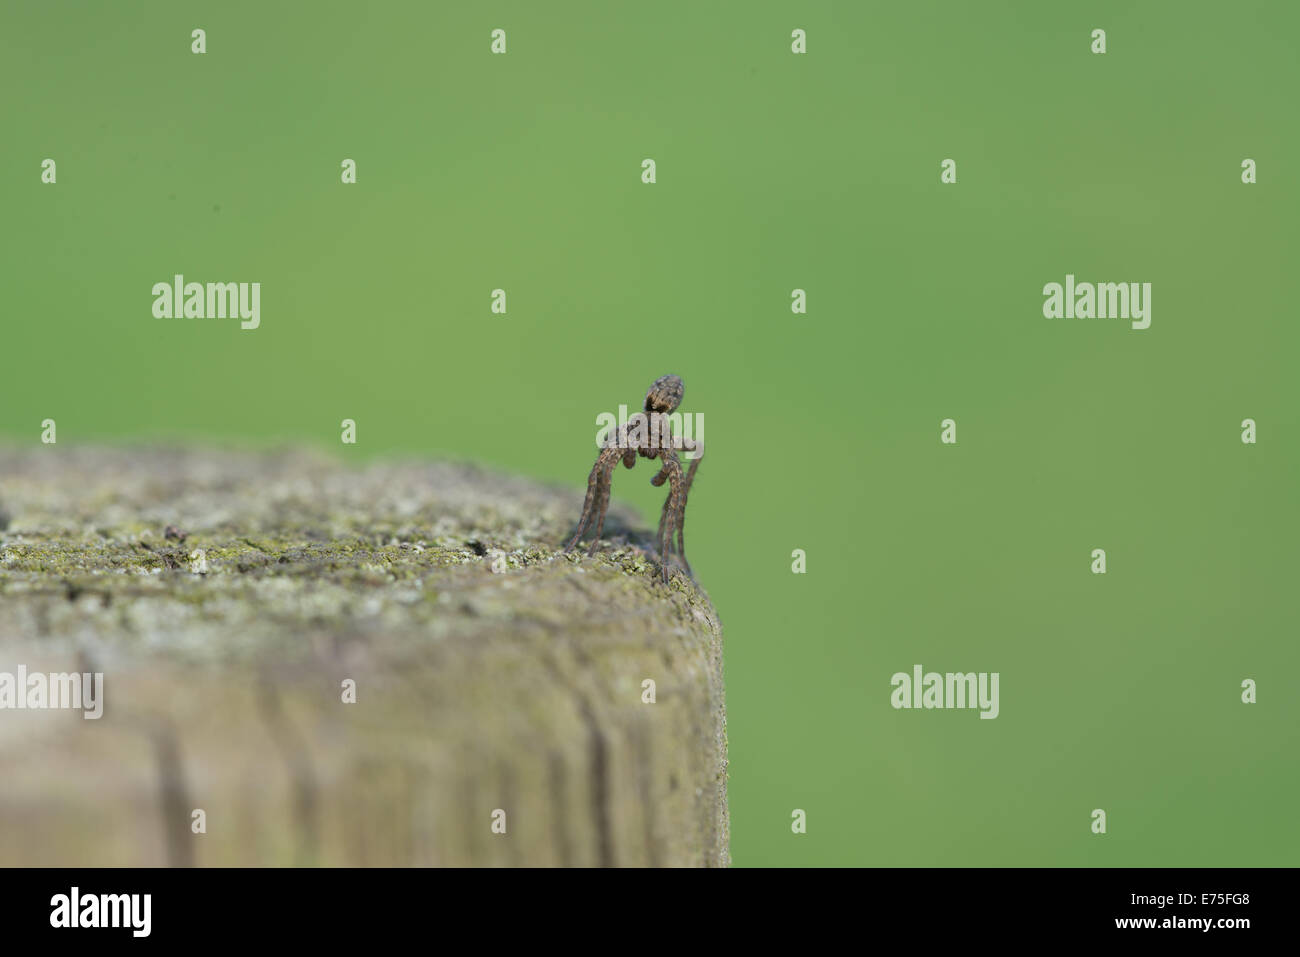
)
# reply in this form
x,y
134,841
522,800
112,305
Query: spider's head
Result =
x,y
665,395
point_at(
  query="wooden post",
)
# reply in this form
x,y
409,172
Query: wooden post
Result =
x,y
500,713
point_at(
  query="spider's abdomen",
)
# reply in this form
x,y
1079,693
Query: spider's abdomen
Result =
x,y
665,394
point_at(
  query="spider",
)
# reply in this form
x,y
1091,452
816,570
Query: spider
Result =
x,y
647,434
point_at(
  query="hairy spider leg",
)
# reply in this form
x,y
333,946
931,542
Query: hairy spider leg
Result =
x,y
604,462
659,478
672,468
679,521
686,490
606,484
680,517
695,462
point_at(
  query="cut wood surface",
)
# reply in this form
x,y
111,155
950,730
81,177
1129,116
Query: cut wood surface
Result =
x,y
499,683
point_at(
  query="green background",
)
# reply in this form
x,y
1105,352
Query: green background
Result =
x,y
775,171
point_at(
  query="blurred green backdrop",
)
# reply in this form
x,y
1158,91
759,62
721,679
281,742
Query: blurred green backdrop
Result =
x,y
775,172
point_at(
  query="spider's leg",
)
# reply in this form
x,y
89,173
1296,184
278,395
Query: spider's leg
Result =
x,y
604,486
665,540
670,520
665,543
681,532
665,443
695,463
586,506
659,479
681,517
602,506
672,508
606,457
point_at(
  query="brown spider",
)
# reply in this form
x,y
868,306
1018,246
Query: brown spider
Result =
x,y
647,434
